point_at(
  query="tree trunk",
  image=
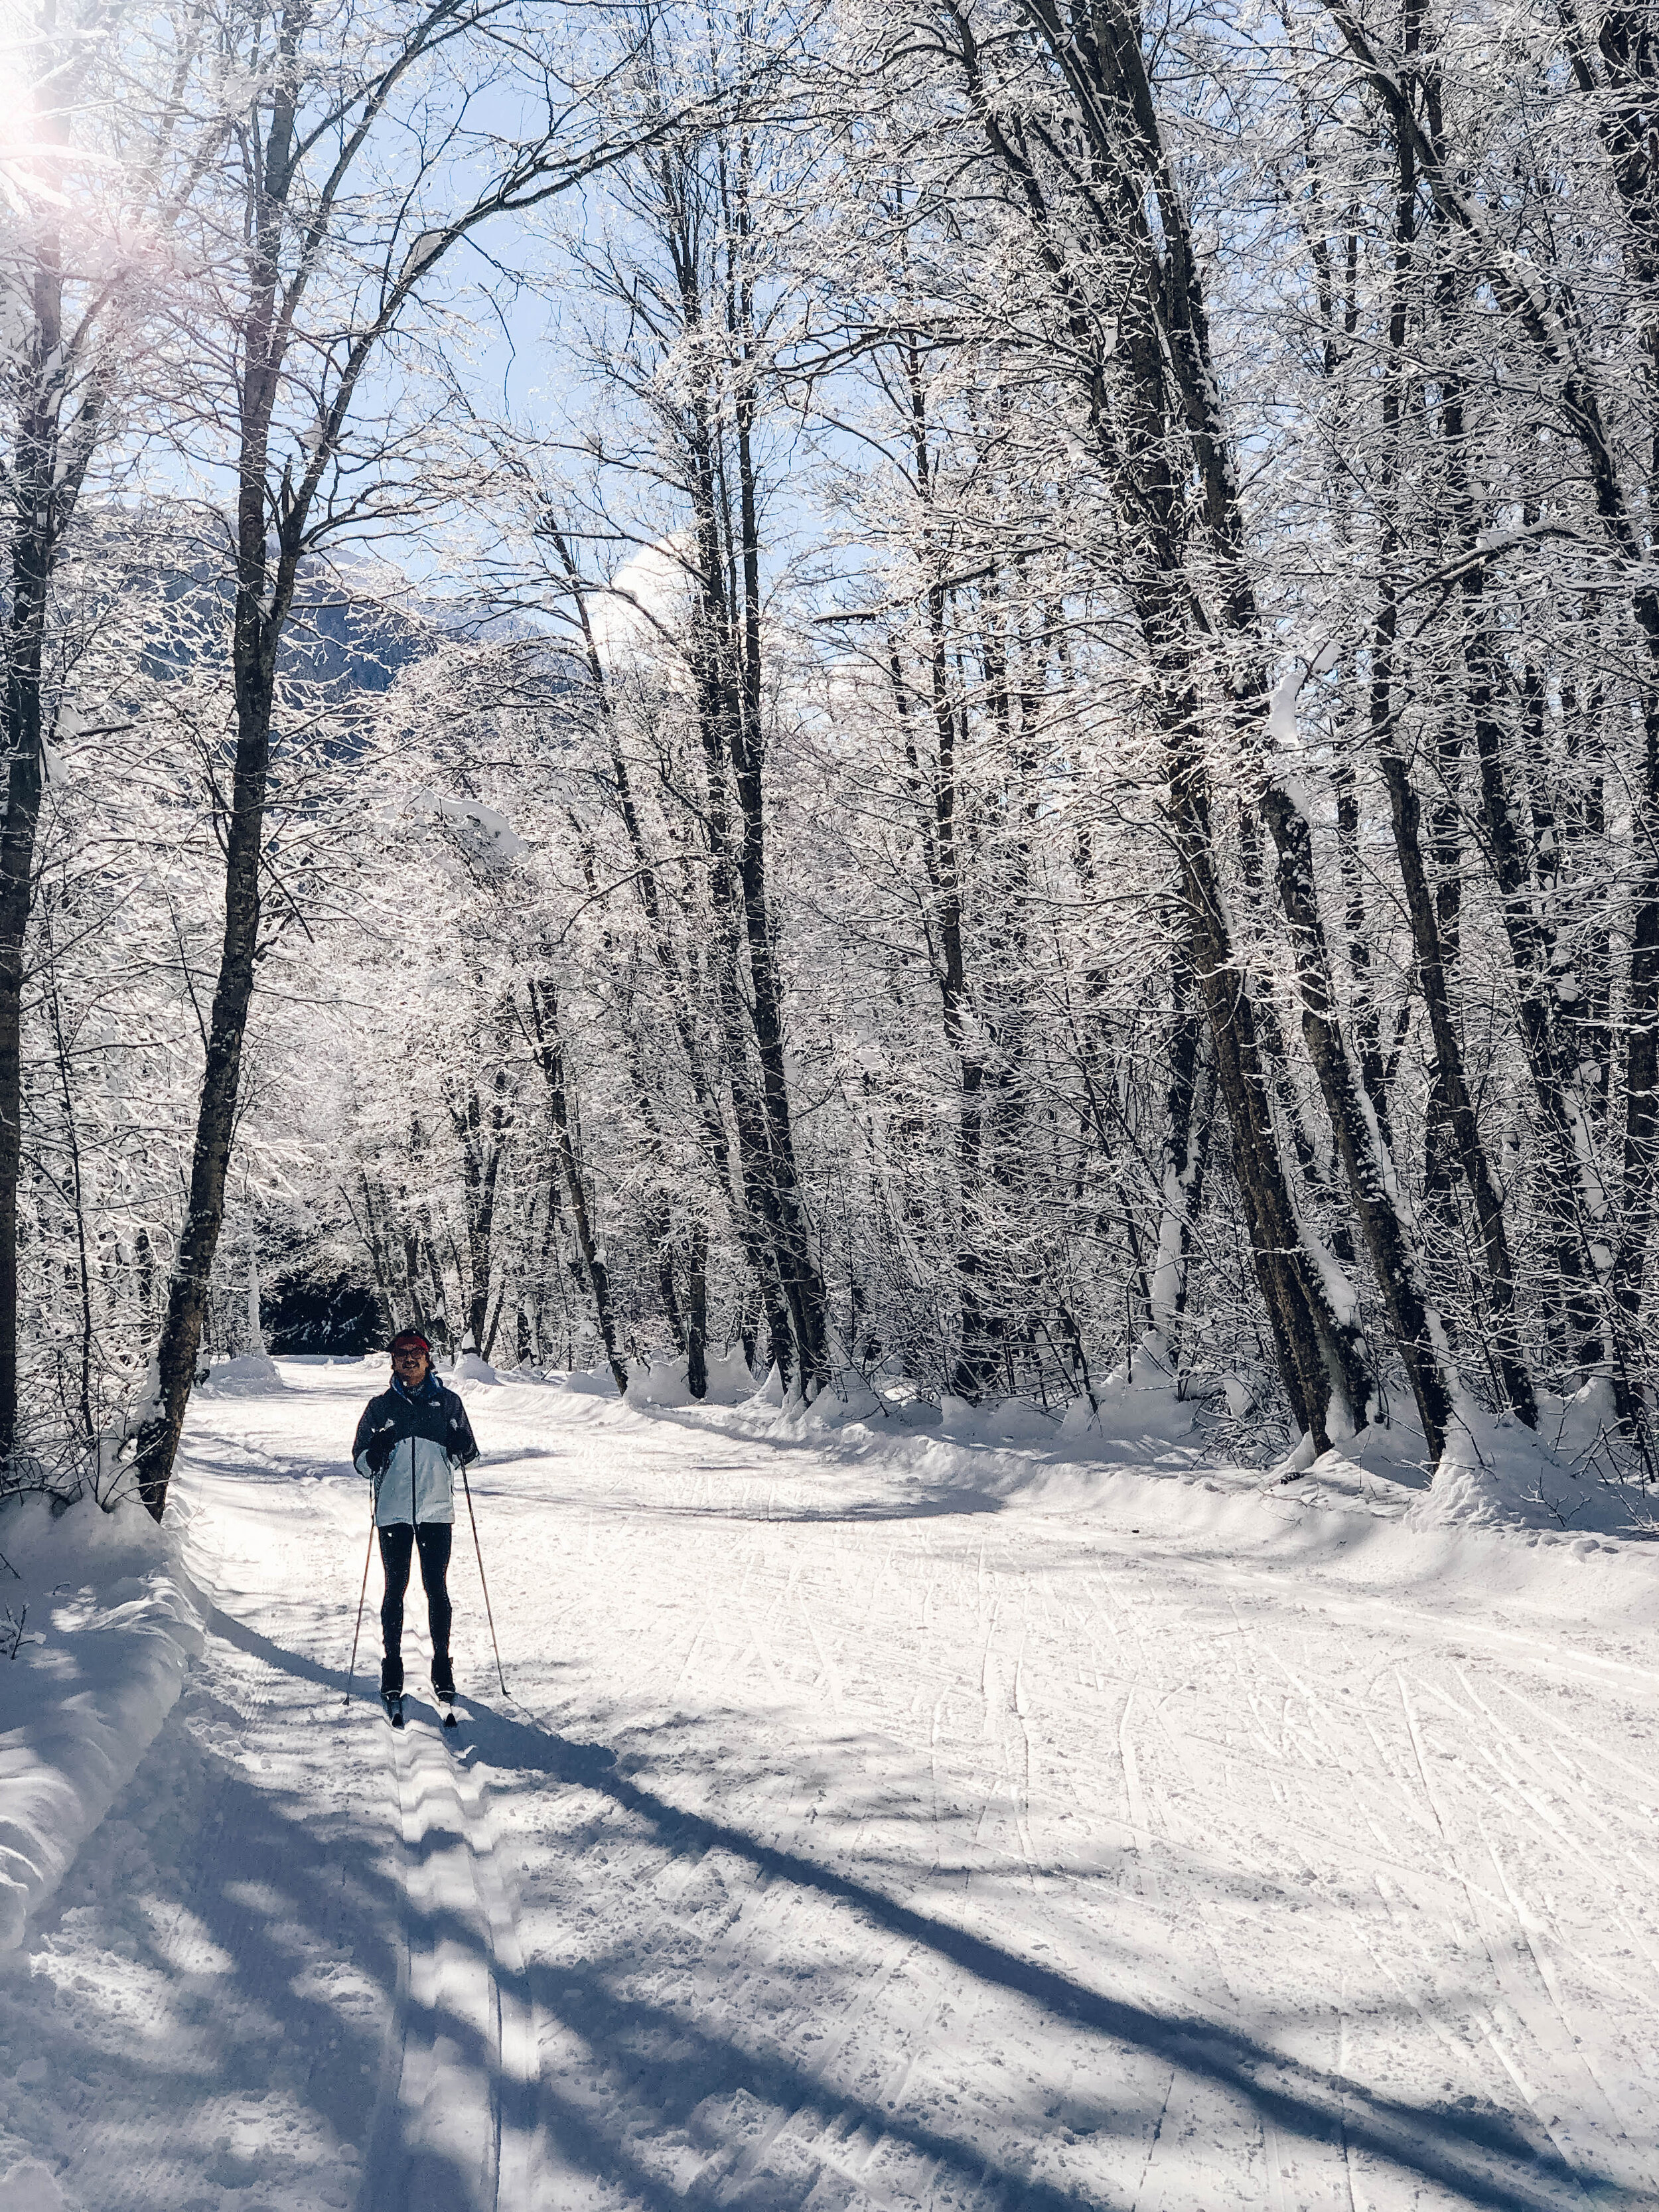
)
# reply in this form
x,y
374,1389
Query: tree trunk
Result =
x,y
1163,341
1405,813
696,1312
483,1141
1322,1360
1152,397
45,482
1548,320
215,1120
1183,1147
742,1182
282,256
1376,1194
255,629
1434,919
31,563
798,1270
59,420
550,1058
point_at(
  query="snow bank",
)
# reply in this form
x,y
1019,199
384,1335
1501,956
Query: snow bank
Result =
x,y
1346,1518
1015,1422
959,1418
588,1381
663,1383
470,1368
1473,1488
250,1375
1498,1474
104,1620
730,1381
1494,1475
770,1389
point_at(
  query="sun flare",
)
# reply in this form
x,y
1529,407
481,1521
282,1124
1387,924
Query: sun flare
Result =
x,y
28,150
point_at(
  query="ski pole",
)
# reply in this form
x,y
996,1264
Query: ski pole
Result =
x,y
483,1584
351,1672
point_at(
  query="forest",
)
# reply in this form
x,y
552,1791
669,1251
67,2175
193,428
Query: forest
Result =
x,y
949,700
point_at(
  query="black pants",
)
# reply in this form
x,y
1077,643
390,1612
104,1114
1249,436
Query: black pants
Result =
x,y
397,1543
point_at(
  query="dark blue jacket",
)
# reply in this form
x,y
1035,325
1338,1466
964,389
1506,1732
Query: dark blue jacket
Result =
x,y
409,1444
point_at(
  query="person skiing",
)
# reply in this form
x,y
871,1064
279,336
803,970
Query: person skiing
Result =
x,y
409,1444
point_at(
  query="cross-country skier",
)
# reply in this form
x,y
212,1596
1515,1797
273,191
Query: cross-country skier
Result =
x,y
409,1444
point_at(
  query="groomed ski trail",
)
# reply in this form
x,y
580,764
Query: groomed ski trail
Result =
x,y
853,1841
458,2101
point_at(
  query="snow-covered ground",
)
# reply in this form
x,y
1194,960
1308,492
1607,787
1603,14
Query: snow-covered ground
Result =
x,y
854,1832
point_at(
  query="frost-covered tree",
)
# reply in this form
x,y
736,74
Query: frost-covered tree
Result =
x,y
363,154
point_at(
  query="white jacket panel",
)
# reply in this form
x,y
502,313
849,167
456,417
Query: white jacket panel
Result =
x,y
418,1483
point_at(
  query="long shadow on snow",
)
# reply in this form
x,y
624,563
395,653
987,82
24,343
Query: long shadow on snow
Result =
x,y
1430,2142
679,2085
1043,1456
257,2025
925,1505
340,1884
1433,2141
611,2025
275,1845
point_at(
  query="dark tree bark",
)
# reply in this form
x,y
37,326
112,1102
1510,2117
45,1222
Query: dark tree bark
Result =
x,y
253,654
802,1285
261,611
752,1019
694,192
1416,1331
1527,927
273,526
976,1366
1547,319
931,771
1183,1150
547,1046
60,396
696,1311
1159,402
1433,919
481,1133
49,464
680,995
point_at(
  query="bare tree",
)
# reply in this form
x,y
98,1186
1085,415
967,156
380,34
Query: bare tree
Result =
x,y
313,280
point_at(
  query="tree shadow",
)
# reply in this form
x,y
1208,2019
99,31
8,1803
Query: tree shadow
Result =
x,y
1480,2154
939,1500
1447,2145
236,2018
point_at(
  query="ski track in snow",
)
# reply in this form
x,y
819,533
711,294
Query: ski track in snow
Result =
x,y
841,1847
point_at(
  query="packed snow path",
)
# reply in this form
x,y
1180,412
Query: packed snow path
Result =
x,y
849,1841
